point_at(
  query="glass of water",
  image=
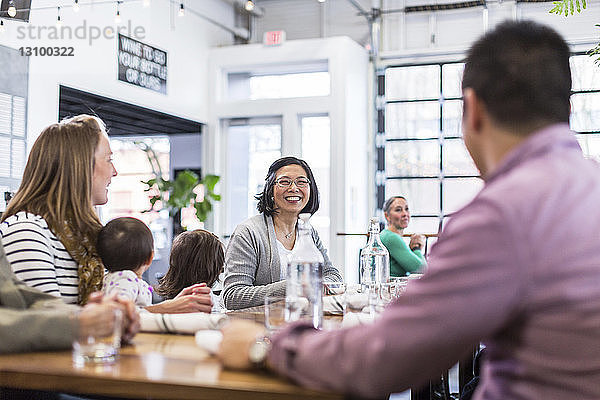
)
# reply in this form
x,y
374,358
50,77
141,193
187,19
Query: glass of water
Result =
x,y
100,346
274,313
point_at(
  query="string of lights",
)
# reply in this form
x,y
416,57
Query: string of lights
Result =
x,y
76,5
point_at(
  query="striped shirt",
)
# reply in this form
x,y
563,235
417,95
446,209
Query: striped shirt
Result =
x,y
38,258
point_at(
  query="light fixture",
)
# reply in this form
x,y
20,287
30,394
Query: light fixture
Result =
x,y
321,1
58,21
2,28
146,3
181,12
118,14
12,10
76,6
249,6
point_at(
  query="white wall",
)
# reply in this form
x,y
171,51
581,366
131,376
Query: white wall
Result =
x,y
346,106
94,67
403,35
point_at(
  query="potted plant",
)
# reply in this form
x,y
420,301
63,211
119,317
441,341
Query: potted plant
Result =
x,y
181,192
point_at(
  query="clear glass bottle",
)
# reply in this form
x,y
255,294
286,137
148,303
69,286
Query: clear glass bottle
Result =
x,y
374,258
304,286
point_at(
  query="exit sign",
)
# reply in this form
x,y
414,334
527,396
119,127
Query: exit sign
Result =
x,y
273,38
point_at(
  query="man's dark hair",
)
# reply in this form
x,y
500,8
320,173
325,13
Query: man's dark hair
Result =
x,y
266,205
125,243
196,256
520,70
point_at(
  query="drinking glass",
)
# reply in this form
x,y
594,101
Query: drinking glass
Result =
x,y
304,287
274,313
356,300
100,346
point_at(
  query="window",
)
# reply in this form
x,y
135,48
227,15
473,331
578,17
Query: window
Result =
x,y
289,85
280,82
315,129
585,104
252,146
127,197
12,143
425,158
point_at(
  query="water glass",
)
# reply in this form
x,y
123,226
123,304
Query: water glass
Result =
x,y
303,298
356,300
100,346
274,313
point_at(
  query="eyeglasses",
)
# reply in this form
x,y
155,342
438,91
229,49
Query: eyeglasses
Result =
x,y
287,182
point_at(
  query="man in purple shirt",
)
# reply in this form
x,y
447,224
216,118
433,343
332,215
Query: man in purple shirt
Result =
x,y
518,268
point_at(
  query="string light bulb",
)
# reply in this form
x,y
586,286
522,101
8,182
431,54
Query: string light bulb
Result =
x,y
76,6
249,6
58,21
12,10
146,3
2,28
118,14
181,12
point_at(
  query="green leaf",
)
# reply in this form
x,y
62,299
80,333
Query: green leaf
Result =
x,y
568,7
217,197
202,209
149,182
210,181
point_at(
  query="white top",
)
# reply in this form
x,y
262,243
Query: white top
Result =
x,y
284,255
127,283
38,258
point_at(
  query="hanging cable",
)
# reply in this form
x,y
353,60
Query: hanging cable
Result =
x,y
118,15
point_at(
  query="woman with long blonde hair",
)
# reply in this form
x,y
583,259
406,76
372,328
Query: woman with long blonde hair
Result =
x,y
50,227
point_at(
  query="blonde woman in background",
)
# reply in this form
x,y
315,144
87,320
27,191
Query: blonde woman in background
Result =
x,y
404,259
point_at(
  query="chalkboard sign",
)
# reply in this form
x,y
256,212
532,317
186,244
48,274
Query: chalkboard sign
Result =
x,y
142,65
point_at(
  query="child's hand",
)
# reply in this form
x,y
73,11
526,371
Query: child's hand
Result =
x,y
195,298
198,288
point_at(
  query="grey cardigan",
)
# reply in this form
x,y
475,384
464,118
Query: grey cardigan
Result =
x,y
252,266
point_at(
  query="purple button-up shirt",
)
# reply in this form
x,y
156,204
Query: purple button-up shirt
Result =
x,y
518,268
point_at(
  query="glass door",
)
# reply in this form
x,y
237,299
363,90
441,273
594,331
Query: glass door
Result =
x,y
252,145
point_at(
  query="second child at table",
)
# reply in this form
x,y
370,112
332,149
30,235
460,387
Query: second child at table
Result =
x,y
196,256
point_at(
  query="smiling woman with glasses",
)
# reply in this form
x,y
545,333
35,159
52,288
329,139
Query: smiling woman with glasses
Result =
x,y
256,257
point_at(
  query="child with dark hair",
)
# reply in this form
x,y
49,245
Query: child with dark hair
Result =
x,y
196,256
126,248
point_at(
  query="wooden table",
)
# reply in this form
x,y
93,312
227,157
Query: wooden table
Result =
x,y
156,366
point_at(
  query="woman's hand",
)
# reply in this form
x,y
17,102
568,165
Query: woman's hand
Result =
x,y
198,288
195,298
98,316
417,242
